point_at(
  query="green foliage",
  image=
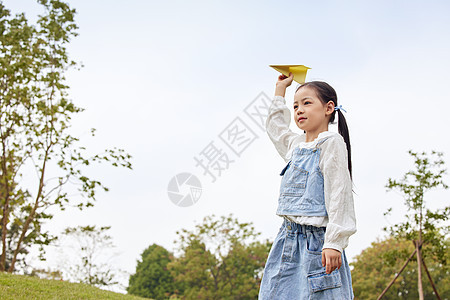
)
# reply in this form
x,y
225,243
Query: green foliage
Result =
x,y
15,287
422,223
219,259
377,265
35,116
152,279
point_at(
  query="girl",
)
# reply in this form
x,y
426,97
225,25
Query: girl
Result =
x,y
307,259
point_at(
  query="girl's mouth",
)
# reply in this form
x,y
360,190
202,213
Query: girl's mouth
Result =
x,y
301,119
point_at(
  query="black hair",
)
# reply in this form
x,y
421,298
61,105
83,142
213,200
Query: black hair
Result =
x,y
326,93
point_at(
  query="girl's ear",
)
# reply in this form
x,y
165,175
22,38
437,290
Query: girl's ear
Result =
x,y
329,108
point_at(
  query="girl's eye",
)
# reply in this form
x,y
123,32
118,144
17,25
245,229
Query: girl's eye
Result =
x,y
307,102
295,106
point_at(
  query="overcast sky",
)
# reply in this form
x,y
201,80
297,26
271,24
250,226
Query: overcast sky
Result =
x,y
164,79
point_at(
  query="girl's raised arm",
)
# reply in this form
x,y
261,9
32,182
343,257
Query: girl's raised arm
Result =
x,y
279,118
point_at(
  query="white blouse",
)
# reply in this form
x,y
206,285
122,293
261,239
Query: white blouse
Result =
x,y
341,222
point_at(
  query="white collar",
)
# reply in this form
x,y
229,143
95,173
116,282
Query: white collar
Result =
x,y
321,136
300,142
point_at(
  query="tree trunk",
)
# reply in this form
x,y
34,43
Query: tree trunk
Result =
x,y
5,216
419,273
419,255
31,215
4,229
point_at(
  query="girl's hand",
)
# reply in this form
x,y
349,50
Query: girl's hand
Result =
x,y
285,81
282,83
331,258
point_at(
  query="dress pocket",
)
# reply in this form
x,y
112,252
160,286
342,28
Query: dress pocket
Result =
x,y
294,180
322,284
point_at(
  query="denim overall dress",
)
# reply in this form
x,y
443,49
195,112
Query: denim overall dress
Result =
x,y
293,268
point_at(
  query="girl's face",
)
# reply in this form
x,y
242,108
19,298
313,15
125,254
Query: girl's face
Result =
x,y
310,113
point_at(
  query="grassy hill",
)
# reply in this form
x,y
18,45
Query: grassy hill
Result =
x,y
27,287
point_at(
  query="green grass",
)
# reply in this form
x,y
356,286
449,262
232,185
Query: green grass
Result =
x,y
27,287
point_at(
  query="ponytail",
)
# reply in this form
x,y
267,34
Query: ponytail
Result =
x,y
343,130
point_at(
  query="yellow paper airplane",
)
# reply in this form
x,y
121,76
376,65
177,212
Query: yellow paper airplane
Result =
x,y
299,71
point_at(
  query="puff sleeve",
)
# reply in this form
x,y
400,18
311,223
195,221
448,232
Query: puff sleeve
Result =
x,y
338,194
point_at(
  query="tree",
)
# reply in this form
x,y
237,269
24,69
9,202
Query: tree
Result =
x,y
89,262
35,115
422,225
152,278
220,259
374,267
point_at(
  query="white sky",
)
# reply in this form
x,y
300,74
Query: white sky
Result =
x,y
162,79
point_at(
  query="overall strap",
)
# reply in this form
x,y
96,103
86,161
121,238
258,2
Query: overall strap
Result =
x,y
321,142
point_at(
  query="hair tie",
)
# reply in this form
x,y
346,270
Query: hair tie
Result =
x,y
339,107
